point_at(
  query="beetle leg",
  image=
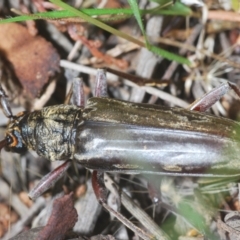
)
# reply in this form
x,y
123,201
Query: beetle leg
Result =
x,y
205,102
49,180
101,84
101,191
76,94
154,192
99,187
78,97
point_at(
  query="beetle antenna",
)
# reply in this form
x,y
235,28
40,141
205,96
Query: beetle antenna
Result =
x,y
5,104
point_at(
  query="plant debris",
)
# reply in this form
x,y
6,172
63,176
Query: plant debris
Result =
x,y
34,60
7,217
62,219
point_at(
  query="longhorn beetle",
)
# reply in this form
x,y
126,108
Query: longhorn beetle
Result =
x,y
117,136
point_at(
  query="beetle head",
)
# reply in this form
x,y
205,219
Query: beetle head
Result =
x,y
13,140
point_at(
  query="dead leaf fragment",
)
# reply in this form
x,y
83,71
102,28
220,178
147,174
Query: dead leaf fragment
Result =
x,y
80,190
25,199
33,59
32,233
178,34
62,219
7,217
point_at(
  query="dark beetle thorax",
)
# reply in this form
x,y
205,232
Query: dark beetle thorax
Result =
x,y
50,131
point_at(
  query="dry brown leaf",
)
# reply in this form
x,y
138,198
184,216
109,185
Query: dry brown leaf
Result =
x,y
33,59
62,219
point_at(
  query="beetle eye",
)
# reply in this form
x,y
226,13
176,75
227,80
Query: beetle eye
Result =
x,y
9,139
6,142
15,142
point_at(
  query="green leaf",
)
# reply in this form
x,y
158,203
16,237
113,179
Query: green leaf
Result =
x,y
191,212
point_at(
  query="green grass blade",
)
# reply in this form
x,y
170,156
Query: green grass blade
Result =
x,y
104,26
66,14
168,55
176,9
96,22
134,6
84,14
